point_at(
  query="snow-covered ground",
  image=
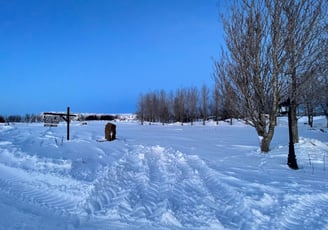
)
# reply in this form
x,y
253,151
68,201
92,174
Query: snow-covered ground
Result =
x,y
161,177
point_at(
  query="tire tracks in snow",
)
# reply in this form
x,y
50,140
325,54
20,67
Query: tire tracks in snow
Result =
x,y
41,182
303,211
59,195
164,187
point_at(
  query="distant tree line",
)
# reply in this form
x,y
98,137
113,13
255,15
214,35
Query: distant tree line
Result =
x,y
184,105
96,117
28,118
33,118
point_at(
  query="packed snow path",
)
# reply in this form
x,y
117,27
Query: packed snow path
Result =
x,y
155,177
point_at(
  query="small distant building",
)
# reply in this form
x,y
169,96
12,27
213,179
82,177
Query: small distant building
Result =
x,y
2,119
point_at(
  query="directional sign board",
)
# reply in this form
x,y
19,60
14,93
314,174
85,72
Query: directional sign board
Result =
x,y
51,120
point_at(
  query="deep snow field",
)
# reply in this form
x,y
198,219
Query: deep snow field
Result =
x,y
161,177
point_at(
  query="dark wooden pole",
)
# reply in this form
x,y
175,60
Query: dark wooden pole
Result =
x,y
68,120
292,162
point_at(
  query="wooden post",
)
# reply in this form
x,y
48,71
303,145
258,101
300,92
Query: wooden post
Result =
x,y
68,121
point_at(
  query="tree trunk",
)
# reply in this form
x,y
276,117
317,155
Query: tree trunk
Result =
x,y
310,120
265,145
310,114
294,122
267,135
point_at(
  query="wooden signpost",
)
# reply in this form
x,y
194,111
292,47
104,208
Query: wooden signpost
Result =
x,y
65,116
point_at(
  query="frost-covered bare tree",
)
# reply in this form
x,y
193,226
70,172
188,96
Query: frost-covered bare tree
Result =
x,y
323,77
204,102
271,50
179,106
230,103
163,107
324,64
149,106
324,97
310,99
216,103
302,35
141,109
191,104
246,70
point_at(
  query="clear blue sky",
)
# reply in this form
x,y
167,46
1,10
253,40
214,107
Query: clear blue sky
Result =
x,y
98,56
